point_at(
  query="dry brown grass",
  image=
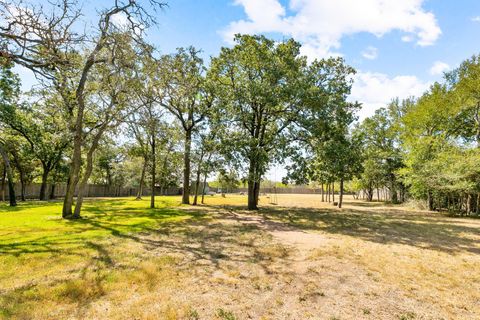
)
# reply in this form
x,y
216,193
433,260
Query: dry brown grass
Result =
x,y
300,259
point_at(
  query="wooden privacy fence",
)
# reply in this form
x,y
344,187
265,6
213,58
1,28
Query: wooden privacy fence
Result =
x,y
284,190
32,191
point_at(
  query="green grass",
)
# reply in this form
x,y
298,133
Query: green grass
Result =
x,y
35,226
35,240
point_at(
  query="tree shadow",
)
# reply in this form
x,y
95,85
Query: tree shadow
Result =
x,y
392,225
366,204
199,236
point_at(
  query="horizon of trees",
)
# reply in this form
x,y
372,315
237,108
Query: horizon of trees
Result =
x,y
109,109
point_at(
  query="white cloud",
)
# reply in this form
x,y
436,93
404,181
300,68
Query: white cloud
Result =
x,y
439,68
123,23
120,20
376,90
370,53
321,24
476,19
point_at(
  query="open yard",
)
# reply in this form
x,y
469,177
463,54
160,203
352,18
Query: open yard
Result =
x,y
300,259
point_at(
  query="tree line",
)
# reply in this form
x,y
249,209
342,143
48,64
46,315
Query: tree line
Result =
x,y
425,149
242,110
108,108
429,148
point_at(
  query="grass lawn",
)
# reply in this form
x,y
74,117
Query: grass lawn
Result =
x,y
300,259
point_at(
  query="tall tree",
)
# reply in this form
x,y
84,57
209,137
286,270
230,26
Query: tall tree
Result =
x,y
259,83
425,133
146,123
382,150
207,145
108,104
185,95
322,141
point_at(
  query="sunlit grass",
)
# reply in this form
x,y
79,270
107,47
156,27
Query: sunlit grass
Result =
x,y
36,242
124,260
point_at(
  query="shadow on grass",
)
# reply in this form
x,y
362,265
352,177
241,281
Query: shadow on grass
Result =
x,y
171,228
392,225
122,219
97,223
198,237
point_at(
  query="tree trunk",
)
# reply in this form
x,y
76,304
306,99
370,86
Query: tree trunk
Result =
x,y
73,176
205,178
153,172
257,192
142,178
402,193
251,195
72,182
204,186
333,191
323,194
477,210
329,188
21,172
469,203
340,201
186,167
197,182
43,187
370,193
197,187
22,189
87,173
52,191
393,190
430,200
4,179
253,184
9,174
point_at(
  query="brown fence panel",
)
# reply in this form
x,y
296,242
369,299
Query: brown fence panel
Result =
x,y
32,191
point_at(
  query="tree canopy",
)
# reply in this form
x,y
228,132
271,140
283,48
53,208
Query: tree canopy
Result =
x,y
110,108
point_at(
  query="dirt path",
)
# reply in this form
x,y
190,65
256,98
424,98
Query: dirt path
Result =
x,y
301,241
331,275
